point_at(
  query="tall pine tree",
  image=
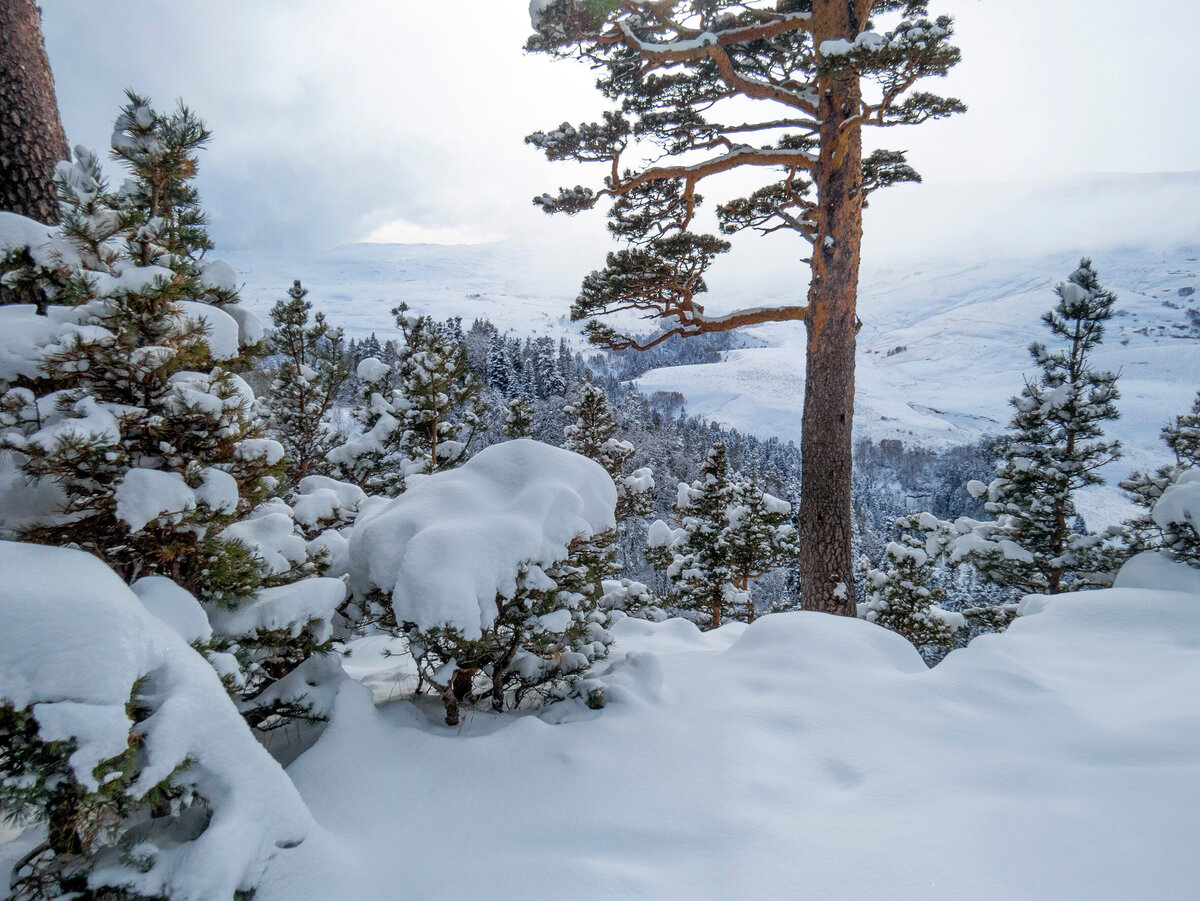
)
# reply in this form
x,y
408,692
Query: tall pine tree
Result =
x,y
1055,448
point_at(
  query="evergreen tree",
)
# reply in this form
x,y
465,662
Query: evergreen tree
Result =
x,y
442,407
1167,528
518,421
310,374
676,74
499,367
135,428
593,434
901,598
149,441
761,536
731,533
1055,449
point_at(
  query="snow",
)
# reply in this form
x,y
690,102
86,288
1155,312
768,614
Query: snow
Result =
x,y
76,641
174,606
23,333
221,331
1058,760
268,450
514,503
1180,503
288,607
372,370
250,327
218,490
322,499
270,532
218,274
1155,569
145,495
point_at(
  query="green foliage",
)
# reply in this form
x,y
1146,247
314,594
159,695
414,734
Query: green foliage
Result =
x,y
86,827
1176,536
674,72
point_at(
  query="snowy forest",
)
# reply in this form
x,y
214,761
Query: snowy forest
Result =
x,y
758,541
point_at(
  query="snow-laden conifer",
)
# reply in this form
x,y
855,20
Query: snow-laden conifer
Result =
x,y
135,437
514,620
730,533
900,597
1169,526
1054,449
518,420
593,434
312,368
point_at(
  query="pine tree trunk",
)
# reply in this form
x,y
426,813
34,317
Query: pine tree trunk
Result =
x,y
31,133
826,447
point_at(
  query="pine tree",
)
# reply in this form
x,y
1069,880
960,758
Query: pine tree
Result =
x,y
310,375
134,408
901,598
593,434
1055,448
135,426
518,421
761,536
442,407
672,70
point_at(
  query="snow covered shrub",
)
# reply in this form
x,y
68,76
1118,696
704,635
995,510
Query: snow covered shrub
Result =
x,y
900,598
1168,522
731,532
120,741
311,371
484,569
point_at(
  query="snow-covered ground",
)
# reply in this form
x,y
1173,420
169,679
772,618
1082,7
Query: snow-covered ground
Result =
x,y
805,756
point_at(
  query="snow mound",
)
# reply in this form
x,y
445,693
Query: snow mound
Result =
x,y
513,504
76,640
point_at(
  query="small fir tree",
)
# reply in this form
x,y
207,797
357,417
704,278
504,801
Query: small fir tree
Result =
x,y
442,407
731,532
593,434
518,420
311,372
1055,449
761,536
900,597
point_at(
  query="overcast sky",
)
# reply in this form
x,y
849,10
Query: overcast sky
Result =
x,y
402,119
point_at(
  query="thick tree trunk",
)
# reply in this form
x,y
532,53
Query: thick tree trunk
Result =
x,y
826,564
31,133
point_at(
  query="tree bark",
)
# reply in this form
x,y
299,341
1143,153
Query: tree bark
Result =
x,y
31,133
826,446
